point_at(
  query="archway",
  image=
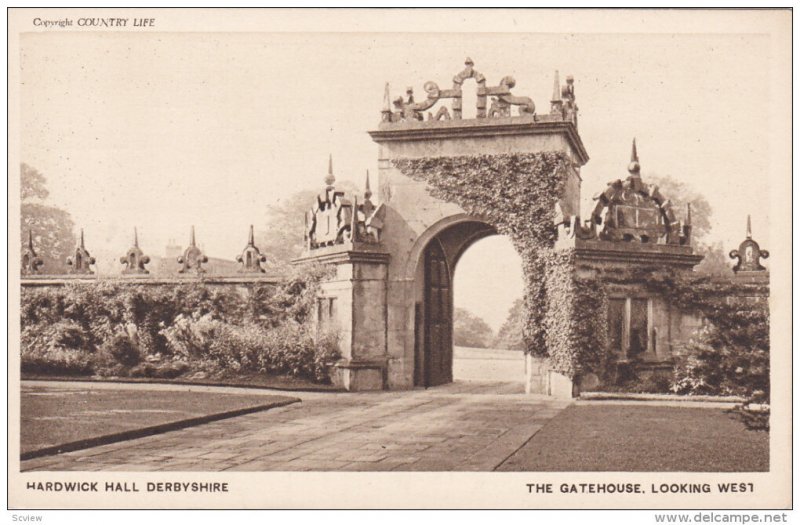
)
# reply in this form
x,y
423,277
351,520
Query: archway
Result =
x,y
488,317
436,264
443,182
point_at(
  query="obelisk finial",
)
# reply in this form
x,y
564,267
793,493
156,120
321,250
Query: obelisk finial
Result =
x,y
386,96
191,238
556,89
689,213
135,237
30,240
329,178
82,245
251,239
367,190
749,229
634,167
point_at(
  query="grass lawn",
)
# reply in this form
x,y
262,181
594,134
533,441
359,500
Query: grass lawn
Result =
x,y
629,438
59,414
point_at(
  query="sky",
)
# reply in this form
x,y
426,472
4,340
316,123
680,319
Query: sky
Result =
x,y
166,130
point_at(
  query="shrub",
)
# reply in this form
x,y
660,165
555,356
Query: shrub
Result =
x,y
123,349
288,348
166,370
57,361
726,360
60,348
110,327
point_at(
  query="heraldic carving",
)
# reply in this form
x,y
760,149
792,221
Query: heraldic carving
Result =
x,y
634,211
335,219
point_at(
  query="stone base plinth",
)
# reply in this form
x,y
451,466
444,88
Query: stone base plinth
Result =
x,y
355,376
539,379
560,386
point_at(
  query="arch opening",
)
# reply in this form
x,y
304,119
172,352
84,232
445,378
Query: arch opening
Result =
x,y
466,273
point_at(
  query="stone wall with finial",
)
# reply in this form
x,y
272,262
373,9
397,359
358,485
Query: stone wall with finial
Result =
x,y
137,267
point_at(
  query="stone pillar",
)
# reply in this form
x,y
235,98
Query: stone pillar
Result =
x,y
353,302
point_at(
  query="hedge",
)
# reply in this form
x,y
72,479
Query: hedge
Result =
x,y
122,328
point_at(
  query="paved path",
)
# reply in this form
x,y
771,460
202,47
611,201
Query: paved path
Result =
x,y
466,426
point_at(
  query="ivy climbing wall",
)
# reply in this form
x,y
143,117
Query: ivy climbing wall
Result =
x,y
517,193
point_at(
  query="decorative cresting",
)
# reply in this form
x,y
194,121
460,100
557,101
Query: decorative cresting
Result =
x,y
502,99
635,211
193,258
251,257
749,254
135,259
80,262
30,261
335,219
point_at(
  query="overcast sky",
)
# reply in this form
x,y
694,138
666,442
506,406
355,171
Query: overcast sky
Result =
x,y
165,130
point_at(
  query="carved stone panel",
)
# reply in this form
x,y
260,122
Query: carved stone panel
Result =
x,y
30,260
193,258
135,260
81,262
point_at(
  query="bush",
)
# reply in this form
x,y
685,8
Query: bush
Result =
x,y
123,349
168,370
57,361
288,348
109,328
729,360
59,348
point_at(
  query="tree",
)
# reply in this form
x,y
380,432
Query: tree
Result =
x,y
52,228
681,194
470,330
509,337
282,241
715,261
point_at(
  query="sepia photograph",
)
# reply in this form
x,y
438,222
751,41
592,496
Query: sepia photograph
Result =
x,y
543,252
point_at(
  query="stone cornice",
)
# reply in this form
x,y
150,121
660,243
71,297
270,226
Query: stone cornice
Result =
x,y
345,253
635,253
61,280
487,127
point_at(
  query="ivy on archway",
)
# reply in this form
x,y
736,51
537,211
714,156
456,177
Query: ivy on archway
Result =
x,y
517,193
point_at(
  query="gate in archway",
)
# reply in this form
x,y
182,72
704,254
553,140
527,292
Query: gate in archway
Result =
x,y
436,363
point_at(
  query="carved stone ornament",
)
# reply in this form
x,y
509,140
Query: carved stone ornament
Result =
x,y
251,257
135,259
634,211
193,258
30,261
408,109
562,104
749,254
80,262
335,219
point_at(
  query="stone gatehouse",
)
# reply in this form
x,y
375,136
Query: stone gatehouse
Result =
x,y
395,251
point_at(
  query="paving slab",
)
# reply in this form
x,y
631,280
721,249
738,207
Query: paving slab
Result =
x,y
458,427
